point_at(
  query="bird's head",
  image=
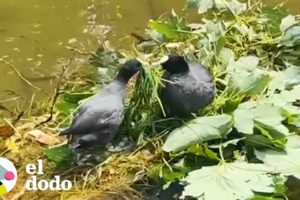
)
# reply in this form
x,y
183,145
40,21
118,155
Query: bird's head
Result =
x,y
128,69
176,64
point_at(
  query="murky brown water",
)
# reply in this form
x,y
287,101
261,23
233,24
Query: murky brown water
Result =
x,y
34,33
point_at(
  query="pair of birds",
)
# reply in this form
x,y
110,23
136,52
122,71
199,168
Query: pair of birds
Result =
x,y
188,88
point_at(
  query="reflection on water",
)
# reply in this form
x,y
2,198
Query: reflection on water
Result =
x,y
34,33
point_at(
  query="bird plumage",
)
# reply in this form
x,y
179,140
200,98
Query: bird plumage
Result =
x,y
188,87
98,120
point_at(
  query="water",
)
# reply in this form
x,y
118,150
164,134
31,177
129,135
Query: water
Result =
x,y
34,33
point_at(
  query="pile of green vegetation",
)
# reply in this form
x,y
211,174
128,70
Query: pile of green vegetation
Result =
x,y
246,144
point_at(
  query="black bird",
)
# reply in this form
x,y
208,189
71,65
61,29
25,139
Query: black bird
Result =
x,y
98,120
188,86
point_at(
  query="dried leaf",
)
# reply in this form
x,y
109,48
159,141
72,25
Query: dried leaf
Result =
x,y
42,137
6,131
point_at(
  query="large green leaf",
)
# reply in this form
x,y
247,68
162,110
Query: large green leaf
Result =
x,y
286,99
234,6
244,120
246,78
286,79
292,76
228,181
214,30
171,28
168,30
225,57
291,37
287,22
265,115
199,130
286,163
270,117
201,5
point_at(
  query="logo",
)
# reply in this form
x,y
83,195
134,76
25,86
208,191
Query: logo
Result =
x,y
40,184
8,176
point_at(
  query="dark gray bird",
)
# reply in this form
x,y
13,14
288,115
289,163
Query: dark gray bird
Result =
x,y
98,120
188,87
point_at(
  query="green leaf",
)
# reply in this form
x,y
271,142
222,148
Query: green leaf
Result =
x,y
225,57
201,5
285,163
260,141
265,115
214,30
166,29
171,175
228,181
287,22
205,5
246,78
243,120
270,117
61,156
286,99
234,6
292,76
199,130
75,97
203,150
237,7
65,107
171,28
249,84
246,63
291,37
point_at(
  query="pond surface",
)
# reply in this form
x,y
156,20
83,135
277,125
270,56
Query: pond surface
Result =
x,y
34,33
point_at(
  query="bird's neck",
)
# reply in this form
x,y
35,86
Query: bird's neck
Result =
x,y
117,86
122,79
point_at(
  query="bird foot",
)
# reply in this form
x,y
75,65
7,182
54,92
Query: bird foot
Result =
x,y
124,145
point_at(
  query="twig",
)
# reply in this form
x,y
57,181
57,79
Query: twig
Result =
x,y
57,92
18,117
31,103
10,99
78,51
21,76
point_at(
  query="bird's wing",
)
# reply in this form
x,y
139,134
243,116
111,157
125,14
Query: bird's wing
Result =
x,y
94,120
77,115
